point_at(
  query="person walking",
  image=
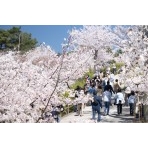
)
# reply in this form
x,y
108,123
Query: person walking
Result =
x,y
131,101
56,110
109,87
116,86
90,91
114,68
107,100
127,95
96,105
119,101
77,93
80,103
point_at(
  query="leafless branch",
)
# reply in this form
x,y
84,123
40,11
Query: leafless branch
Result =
x,y
57,81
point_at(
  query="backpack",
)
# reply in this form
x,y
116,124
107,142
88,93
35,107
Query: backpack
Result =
x,y
95,103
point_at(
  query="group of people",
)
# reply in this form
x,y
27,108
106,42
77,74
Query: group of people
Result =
x,y
56,111
103,91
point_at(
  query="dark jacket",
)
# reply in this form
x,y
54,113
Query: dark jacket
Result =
x,y
57,110
97,105
109,87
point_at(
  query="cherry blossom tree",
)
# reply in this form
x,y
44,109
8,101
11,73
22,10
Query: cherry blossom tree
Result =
x,y
31,84
135,55
95,39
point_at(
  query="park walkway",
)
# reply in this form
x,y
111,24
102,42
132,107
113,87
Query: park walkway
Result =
x,y
112,118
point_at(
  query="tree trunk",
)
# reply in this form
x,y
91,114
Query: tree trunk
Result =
x,y
95,59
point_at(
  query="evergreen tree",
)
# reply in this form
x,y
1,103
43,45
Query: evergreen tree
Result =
x,y
15,39
27,43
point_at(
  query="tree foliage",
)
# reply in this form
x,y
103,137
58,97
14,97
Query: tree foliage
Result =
x,y
33,83
15,39
118,52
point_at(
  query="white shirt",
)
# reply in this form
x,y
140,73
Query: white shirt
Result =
x,y
131,99
107,96
119,96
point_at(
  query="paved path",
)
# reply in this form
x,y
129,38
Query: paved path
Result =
x,y
112,118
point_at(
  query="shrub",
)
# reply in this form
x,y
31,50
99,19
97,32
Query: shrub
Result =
x,y
119,65
65,94
81,81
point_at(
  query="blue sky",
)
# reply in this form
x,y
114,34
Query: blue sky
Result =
x,y
52,35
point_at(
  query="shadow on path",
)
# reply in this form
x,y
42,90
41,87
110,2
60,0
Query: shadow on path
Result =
x,y
121,118
112,118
